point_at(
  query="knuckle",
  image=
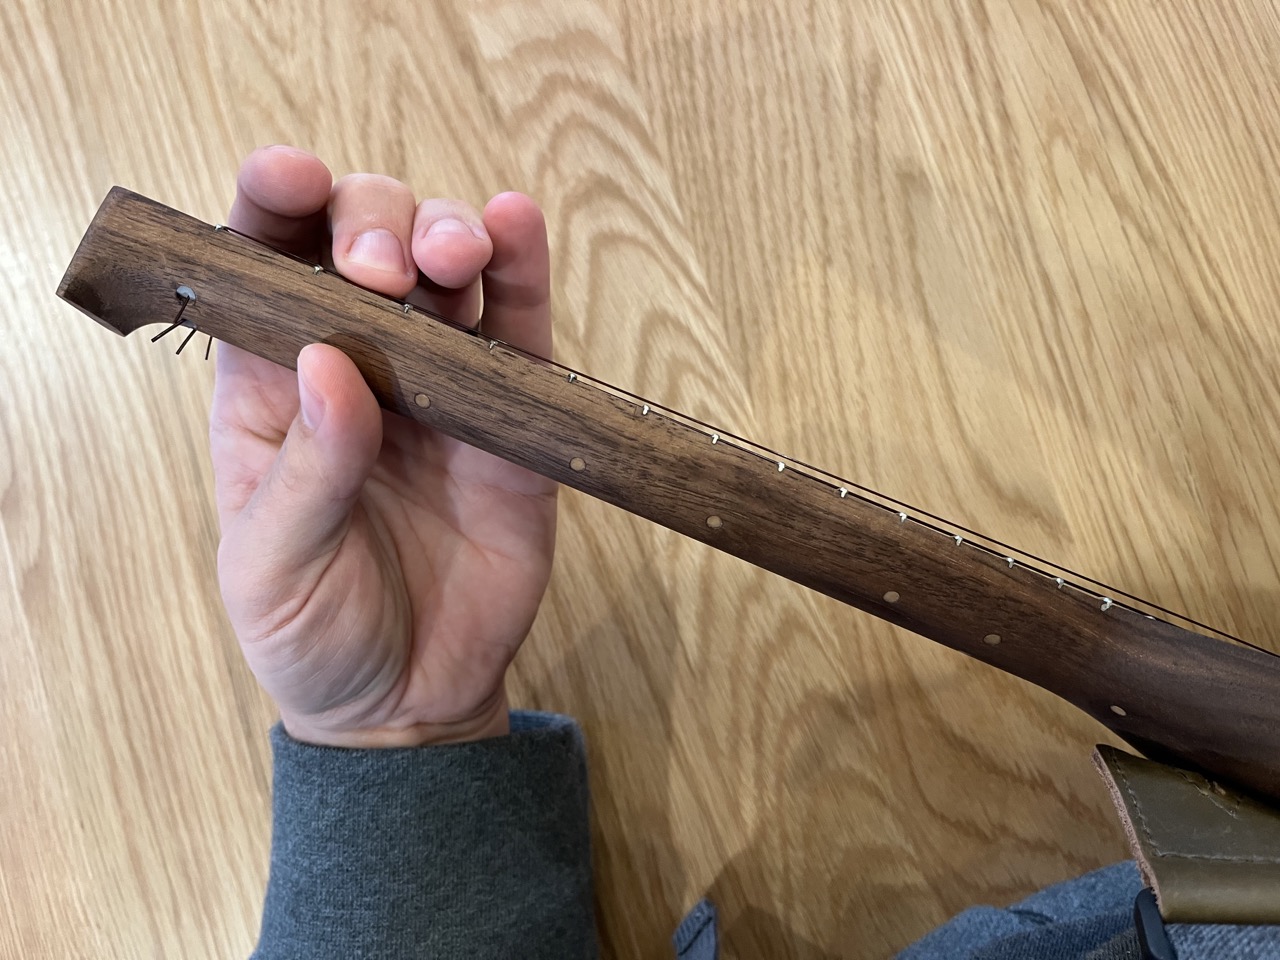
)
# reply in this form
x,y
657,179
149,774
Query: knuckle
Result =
x,y
361,183
292,481
437,208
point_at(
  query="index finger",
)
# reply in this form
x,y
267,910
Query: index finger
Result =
x,y
281,196
517,280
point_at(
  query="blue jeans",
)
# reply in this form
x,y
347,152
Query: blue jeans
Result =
x,y
1071,920
1088,918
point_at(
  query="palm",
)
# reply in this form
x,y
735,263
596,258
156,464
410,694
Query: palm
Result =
x,y
427,589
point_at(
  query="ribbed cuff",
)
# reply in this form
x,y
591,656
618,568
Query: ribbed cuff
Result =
x,y
461,850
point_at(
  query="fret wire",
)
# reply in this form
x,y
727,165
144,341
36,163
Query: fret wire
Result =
x,y
1051,574
873,497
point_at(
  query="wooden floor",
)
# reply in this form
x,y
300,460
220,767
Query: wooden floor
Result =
x,y
1015,262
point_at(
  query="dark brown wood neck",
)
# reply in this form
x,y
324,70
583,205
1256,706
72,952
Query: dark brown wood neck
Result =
x,y
1178,695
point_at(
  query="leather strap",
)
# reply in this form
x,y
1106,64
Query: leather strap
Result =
x,y
1210,853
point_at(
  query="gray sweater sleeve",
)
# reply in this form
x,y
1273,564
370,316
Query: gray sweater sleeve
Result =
x,y
467,850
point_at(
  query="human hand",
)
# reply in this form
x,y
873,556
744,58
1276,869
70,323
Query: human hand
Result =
x,y
379,575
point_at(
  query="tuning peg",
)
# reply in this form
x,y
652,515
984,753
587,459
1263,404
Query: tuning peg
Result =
x,y
185,341
186,299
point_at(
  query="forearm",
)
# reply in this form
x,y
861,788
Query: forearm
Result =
x,y
463,850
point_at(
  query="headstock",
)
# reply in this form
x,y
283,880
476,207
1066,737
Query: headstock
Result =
x,y
124,292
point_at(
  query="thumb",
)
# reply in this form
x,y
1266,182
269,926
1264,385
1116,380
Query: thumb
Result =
x,y
298,514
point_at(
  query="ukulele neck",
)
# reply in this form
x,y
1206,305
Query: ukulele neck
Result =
x,y
1173,693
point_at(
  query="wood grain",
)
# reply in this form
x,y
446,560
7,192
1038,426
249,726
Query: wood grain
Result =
x,y
1014,262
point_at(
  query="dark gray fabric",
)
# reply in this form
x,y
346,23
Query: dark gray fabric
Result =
x,y
468,850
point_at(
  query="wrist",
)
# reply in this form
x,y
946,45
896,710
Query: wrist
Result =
x,y
493,721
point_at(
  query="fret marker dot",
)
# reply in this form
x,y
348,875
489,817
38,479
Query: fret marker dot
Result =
x,y
577,463
892,597
714,522
422,400
992,639
1119,711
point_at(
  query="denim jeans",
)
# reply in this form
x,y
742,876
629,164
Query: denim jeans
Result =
x,y
1088,918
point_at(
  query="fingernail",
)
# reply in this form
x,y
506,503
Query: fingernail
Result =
x,y
449,225
310,402
379,249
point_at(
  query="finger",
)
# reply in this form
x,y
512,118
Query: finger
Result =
x,y
517,281
371,217
450,243
281,193
298,513
281,197
459,306
450,247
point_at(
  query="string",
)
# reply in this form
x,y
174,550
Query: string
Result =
x,y
865,494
